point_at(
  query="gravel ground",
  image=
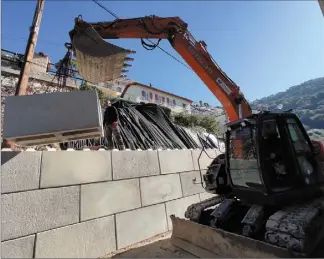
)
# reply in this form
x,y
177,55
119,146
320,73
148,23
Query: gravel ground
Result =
x,y
156,247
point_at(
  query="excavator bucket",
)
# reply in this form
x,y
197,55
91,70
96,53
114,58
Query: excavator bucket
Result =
x,y
98,61
204,241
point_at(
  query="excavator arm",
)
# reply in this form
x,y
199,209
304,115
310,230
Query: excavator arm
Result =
x,y
175,31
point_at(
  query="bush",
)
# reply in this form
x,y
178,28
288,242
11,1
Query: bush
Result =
x,y
207,122
85,87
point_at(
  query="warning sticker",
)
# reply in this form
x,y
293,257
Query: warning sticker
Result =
x,y
223,85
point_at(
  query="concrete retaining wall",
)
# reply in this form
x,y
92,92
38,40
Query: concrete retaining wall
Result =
x,y
89,203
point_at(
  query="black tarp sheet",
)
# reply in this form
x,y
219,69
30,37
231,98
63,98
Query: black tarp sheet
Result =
x,y
146,126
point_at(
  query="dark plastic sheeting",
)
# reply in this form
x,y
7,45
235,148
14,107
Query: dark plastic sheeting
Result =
x,y
146,126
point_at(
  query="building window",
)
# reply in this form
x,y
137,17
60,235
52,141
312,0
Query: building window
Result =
x,y
147,97
184,106
156,98
163,99
143,94
168,101
174,103
151,97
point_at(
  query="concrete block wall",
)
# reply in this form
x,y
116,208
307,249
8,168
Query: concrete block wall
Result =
x,y
63,204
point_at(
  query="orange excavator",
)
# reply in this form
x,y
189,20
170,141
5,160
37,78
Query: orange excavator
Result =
x,y
268,185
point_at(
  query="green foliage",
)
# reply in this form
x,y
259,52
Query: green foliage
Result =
x,y
193,120
85,87
306,100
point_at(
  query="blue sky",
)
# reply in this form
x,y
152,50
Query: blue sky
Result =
x,y
264,46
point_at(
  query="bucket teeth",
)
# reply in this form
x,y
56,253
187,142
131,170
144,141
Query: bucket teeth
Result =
x,y
128,59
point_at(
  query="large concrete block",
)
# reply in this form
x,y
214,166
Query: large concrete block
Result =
x,y
26,213
18,248
137,225
90,239
175,161
75,167
205,159
101,199
178,207
131,164
46,118
157,189
20,171
191,183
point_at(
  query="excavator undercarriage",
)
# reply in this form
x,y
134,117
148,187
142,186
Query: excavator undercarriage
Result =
x,y
234,229
286,222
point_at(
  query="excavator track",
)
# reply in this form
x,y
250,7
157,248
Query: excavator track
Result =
x,y
195,210
298,228
293,231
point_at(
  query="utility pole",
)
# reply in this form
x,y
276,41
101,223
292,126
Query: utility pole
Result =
x,y
30,49
22,85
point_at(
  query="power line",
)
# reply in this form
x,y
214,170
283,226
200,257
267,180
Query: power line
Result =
x,y
105,8
113,14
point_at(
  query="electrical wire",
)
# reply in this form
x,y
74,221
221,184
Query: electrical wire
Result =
x,y
148,46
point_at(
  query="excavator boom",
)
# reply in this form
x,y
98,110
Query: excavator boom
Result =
x,y
87,39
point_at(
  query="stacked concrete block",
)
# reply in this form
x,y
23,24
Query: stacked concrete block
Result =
x,y
20,171
205,159
191,183
131,164
178,207
107,198
77,167
87,204
157,189
18,248
92,239
175,161
137,225
26,213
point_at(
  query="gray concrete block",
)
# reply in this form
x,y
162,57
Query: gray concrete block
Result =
x,y
131,164
191,183
157,189
20,171
175,161
75,167
90,239
137,225
102,199
40,123
18,248
205,195
26,213
178,207
205,160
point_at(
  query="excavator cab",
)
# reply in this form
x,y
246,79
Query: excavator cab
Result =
x,y
269,159
276,159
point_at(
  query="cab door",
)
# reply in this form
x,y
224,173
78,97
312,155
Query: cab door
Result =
x,y
302,151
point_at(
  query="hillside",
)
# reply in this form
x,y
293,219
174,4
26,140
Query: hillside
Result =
x,y
306,100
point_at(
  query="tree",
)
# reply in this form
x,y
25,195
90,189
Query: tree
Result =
x,y
85,87
73,66
207,122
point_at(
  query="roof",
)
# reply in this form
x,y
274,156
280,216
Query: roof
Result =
x,y
154,89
